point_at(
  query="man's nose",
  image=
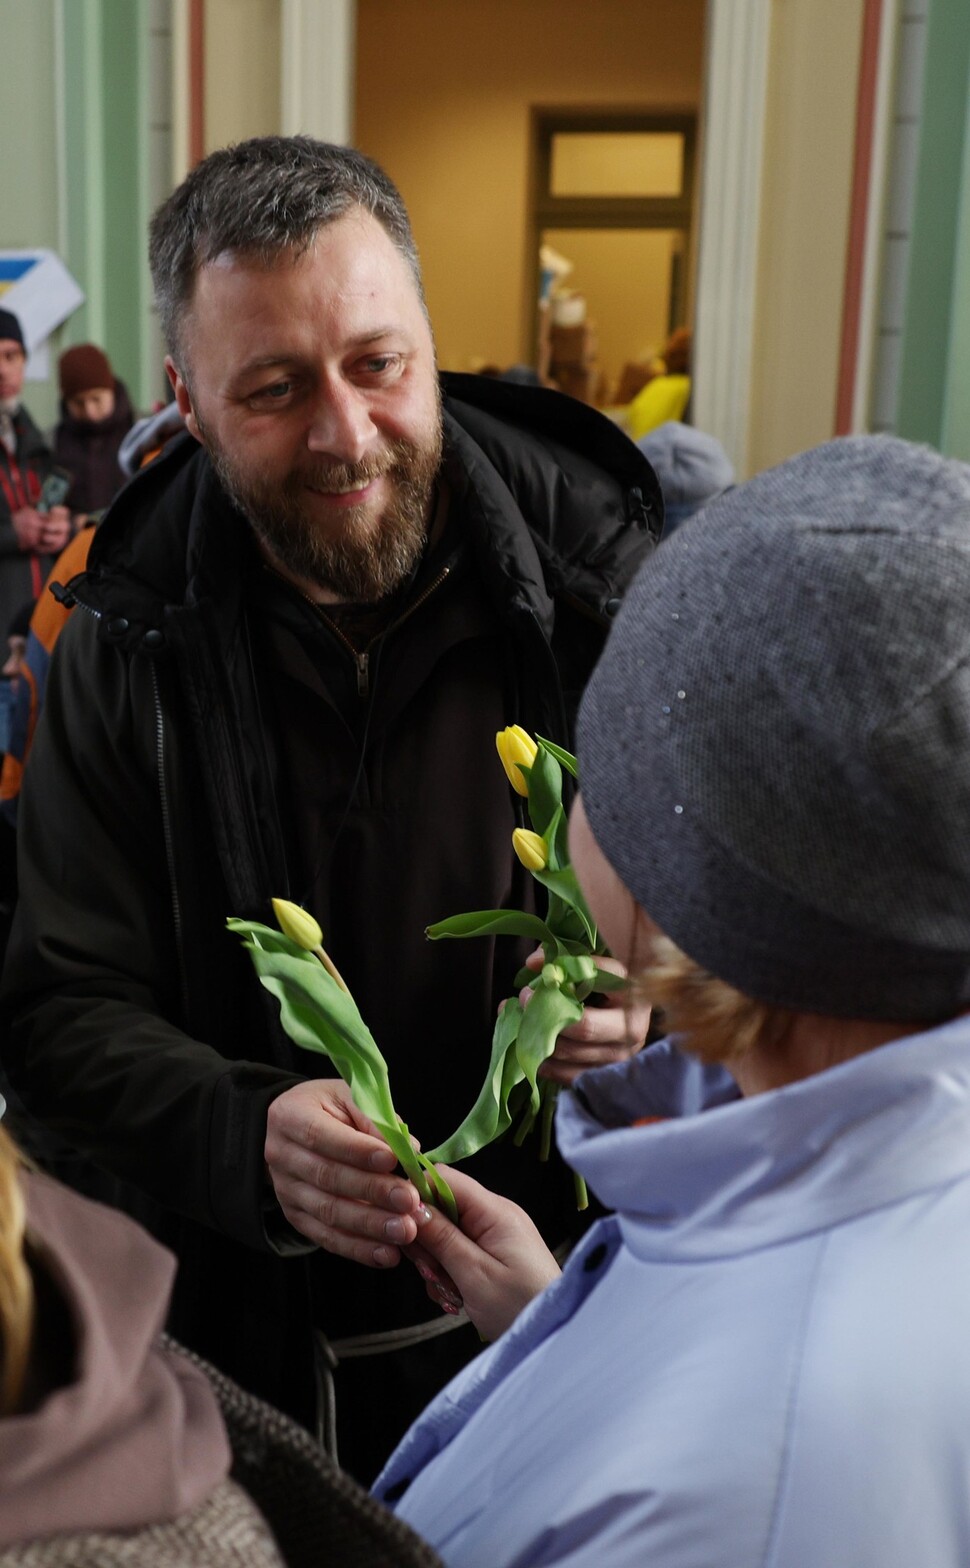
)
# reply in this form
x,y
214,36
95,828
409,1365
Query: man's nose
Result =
x,y
341,426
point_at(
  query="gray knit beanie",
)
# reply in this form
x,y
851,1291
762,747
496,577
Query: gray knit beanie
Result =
x,y
775,745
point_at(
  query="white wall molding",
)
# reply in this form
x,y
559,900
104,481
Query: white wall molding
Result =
x,y
180,91
317,68
738,34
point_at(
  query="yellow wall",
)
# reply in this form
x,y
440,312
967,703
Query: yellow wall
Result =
x,y
444,89
242,70
809,143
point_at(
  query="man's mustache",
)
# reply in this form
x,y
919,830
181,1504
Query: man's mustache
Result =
x,y
346,476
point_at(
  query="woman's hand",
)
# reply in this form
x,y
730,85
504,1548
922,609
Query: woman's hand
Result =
x,y
493,1265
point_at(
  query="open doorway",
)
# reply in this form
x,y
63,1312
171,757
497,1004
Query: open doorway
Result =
x,y
613,203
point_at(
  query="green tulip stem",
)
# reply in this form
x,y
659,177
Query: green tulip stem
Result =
x,y
582,1196
550,1094
525,1127
331,968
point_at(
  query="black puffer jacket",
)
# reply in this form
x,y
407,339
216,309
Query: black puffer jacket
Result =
x,y
155,806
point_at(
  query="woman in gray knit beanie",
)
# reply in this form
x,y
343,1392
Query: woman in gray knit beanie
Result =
x,y
760,1356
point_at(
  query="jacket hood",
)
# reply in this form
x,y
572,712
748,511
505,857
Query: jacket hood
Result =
x,y
135,1437
590,500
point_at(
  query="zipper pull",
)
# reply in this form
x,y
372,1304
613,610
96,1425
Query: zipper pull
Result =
x,y
362,660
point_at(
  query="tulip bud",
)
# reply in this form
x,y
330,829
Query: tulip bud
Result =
x,y
516,748
299,926
531,849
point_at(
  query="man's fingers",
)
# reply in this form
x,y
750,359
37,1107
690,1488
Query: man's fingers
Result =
x,y
351,1230
301,1166
336,1131
333,1176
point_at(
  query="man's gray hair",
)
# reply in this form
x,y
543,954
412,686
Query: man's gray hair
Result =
x,y
259,198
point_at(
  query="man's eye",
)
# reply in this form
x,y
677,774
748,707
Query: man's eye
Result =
x,y
273,394
381,364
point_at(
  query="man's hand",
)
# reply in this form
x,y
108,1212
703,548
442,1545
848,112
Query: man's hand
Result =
x,y
56,530
28,525
493,1265
611,1030
331,1172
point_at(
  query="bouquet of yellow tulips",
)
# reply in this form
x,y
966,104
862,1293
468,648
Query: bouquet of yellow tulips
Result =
x,y
525,1037
319,1014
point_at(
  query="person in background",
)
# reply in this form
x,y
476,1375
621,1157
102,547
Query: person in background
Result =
x,y
32,531
115,1446
96,415
49,615
10,691
665,396
761,1356
692,467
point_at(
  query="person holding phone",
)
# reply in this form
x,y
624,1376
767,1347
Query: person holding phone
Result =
x,y
34,524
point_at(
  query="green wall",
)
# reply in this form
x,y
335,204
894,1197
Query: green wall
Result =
x,y
80,181
934,397
106,152
28,182
956,405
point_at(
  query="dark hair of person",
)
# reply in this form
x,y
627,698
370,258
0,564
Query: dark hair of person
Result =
x,y
258,199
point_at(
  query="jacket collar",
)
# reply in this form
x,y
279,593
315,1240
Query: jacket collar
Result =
x,y
724,1176
559,502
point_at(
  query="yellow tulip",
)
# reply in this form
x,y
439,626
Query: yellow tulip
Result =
x,y
302,929
517,749
297,924
531,849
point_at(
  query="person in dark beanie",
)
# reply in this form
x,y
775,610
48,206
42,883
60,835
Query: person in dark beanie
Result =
x,y
32,532
761,1355
96,415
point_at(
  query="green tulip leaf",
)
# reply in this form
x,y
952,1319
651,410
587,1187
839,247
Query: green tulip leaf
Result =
x,y
444,1195
270,940
606,980
489,1116
549,1011
492,922
565,886
545,790
557,840
562,756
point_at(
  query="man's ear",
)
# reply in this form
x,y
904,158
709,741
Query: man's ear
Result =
x,y
182,398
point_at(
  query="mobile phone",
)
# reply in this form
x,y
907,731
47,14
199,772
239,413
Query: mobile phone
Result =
x,y
54,489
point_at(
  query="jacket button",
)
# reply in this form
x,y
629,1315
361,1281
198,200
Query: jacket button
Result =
x,y
612,605
153,639
118,626
596,1259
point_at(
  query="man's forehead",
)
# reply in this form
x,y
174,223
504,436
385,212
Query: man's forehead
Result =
x,y
10,346
355,233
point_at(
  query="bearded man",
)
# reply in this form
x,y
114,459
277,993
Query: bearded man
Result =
x,y
307,624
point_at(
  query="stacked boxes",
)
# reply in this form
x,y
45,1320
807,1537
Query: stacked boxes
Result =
x,y
573,360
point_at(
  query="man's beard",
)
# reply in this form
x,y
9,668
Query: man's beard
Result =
x,y
362,558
